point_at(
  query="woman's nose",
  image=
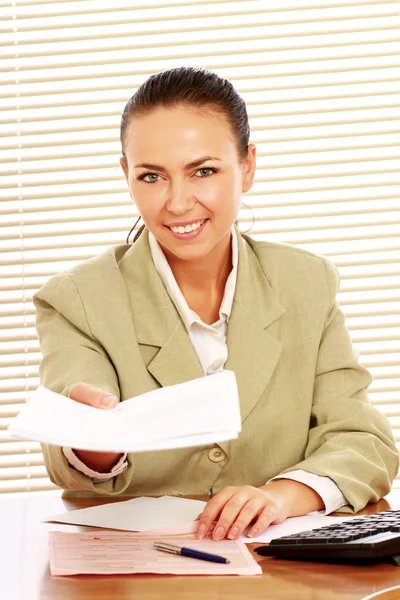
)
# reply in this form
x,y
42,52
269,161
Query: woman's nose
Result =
x,y
180,199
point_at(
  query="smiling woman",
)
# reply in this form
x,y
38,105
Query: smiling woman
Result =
x,y
179,115
193,296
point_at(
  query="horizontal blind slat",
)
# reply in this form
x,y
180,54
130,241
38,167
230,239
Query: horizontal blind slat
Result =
x,y
273,5
103,8
264,56
237,14
35,485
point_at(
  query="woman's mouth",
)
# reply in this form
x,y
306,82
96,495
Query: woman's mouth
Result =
x,y
189,231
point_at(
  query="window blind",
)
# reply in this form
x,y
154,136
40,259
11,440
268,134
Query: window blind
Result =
x,y
321,81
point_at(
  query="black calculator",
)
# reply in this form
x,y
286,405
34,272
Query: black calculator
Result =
x,y
364,539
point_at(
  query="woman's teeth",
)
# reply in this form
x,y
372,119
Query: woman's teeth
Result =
x,y
187,228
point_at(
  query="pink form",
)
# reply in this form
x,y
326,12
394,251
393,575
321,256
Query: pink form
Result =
x,y
105,552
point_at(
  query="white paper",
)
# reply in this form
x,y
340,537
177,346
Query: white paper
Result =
x,y
198,412
146,514
294,525
139,514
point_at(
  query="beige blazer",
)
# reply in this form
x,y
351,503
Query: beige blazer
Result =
x,y
110,322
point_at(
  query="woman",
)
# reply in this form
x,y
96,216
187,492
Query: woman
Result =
x,y
193,296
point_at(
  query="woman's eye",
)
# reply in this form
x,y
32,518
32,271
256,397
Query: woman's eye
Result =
x,y
150,177
205,172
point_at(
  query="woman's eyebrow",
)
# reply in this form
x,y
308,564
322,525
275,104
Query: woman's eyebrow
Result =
x,y
191,165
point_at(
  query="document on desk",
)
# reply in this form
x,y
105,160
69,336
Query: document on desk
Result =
x,y
111,552
294,525
138,514
198,412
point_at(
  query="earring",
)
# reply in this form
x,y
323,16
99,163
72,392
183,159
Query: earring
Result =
x,y
134,227
252,216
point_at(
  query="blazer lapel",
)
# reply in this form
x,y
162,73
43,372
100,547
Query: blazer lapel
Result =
x,y
156,320
253,352
176,361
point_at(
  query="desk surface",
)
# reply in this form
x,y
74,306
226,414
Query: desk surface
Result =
x,y
25,572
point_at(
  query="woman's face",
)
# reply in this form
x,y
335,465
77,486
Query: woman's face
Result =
x,y
186,179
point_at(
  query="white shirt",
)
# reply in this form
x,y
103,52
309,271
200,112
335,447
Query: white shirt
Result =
x,y
209,343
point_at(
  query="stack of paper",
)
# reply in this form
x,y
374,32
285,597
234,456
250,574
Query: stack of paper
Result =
x,y
145,514
199,412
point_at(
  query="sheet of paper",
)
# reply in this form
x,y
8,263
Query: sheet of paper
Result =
x,y
198,412
294,525
110,552
139,514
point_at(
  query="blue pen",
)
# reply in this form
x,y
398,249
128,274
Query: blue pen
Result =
x,y
182,551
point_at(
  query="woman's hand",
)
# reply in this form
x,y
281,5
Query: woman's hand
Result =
x,y
234,508
84,393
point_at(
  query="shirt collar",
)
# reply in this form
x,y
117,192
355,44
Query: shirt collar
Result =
x,y
164,270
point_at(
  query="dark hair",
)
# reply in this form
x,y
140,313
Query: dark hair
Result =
x,y
189,86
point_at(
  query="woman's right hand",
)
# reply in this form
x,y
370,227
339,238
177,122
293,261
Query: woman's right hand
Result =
x,y
85,393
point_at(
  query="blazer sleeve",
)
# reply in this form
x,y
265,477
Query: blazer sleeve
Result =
x,y
71,355
349,440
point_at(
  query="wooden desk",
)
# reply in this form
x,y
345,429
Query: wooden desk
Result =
x,y
25,572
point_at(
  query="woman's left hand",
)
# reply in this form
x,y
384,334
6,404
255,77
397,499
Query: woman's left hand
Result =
x,y
234,508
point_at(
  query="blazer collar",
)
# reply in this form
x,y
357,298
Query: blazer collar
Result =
x,y
253,351
156,321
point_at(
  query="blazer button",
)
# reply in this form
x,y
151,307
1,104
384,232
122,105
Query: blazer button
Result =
x,y
217,364
216,455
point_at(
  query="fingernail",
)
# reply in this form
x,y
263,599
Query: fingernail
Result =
x,y
201,530
233,533
110,401
253,532
218,534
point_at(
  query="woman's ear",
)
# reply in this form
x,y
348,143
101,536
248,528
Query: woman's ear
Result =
x,y
124,165
249,168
